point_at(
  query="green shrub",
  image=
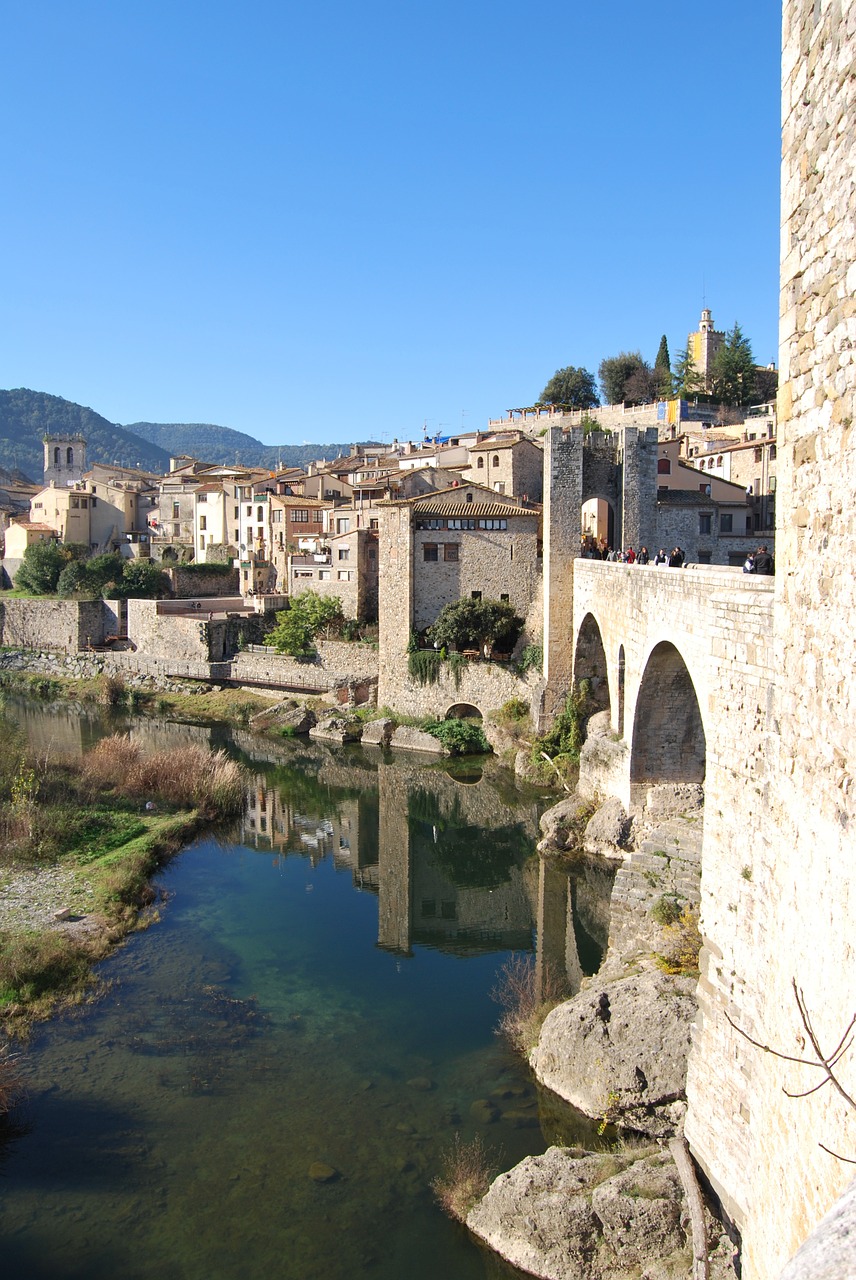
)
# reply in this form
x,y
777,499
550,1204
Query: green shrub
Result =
x,y
459,737
423,665
667,910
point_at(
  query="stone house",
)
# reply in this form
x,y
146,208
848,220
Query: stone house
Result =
x,y
749,463
443,547
509,464
346,567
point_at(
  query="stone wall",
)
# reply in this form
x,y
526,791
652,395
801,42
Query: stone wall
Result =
x,y
62,625
484,685
337,663
188,583
161,635
678,525
779,879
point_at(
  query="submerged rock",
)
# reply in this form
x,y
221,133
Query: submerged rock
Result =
x,y
321,1172
619,1050
411,739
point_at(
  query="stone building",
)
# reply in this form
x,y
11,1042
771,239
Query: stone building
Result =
x,y
346,566
509,464
65,459
702,345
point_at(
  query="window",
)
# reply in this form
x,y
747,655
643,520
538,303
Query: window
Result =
x,y
203,522
246,492
236,538
773,452
772,484
69,456
757,454
480,464
429,552
176,511
237,512
450,552
75,502
469,497
704,557
203,497
344,553
726,523
500,486
249,513
704,522
300,516
372,553
276,516
343,524
56,457
496,459
756,485
475,595
373,524
503,595
429,908
176,530
493,524
324,575
664,467
344,575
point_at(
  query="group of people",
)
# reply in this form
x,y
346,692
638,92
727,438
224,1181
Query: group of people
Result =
x,y
760,561
674,559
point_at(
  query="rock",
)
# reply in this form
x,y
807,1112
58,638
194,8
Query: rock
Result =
x,y
567,1216
336,729
562,825
607,830
620,1050
378,732
63,914
321,1172
410,739
422,1083
288,714
484,1111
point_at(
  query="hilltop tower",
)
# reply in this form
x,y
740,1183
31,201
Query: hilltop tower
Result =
x,y
65,459
704,343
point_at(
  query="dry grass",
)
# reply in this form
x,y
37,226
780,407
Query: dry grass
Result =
x,y
465,1177
683,946
187,777
11,1081
526,999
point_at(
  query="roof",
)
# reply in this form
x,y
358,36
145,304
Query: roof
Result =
x,y
454,496
490,446
443,505
294,500
33,524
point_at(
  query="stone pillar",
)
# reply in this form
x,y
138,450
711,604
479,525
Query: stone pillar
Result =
x,y
563,480
395,599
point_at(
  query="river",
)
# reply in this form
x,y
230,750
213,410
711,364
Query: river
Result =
x,y
315,990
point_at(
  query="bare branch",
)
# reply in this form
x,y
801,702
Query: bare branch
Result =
x,y
846,1159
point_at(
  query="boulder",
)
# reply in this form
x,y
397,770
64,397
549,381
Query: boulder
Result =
x,y
288,714
378,732
571,1215
336,729
607,830
410,739
619,1050
563,824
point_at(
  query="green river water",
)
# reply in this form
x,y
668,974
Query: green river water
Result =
x,y
316,989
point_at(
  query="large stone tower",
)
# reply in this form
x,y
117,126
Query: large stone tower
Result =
x,y
65,459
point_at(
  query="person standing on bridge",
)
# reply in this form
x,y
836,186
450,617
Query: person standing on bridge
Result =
x,y
676,559
764,562
642,557
661,557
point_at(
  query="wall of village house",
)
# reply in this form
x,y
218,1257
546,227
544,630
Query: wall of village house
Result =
x,y
58,625
495,562
678,524
779,882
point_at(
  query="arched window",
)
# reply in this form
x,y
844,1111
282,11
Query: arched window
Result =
x,y
480,464
496,459
56,457
664,467
69,456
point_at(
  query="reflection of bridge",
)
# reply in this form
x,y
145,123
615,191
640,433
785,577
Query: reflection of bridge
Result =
x,y
683,659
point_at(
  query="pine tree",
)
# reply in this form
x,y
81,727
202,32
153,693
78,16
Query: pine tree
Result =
x,y
686,379
733,372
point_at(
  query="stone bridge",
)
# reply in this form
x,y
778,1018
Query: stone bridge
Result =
x,y
683,659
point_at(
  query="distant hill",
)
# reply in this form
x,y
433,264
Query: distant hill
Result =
x,y
223,445
26,416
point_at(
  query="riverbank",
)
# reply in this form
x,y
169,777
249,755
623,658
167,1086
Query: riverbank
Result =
x,y
79,842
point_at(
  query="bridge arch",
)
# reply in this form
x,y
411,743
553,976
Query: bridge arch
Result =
x,y
590,660
463,711
668,744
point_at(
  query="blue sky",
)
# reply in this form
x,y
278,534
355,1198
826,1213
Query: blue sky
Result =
x,y
334,221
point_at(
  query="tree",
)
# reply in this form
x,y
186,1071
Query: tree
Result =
x,y
615,374
476,624
571,388
663,369
299,624
733,371
686,379
141,580
42,564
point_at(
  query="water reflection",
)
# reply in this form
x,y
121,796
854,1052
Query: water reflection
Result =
x,y
316,990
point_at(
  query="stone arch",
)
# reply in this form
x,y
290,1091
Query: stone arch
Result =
x,y
668,744
69,456
56,456
590,660
463,711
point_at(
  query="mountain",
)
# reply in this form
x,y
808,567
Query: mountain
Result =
x,y
26,416
223,445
